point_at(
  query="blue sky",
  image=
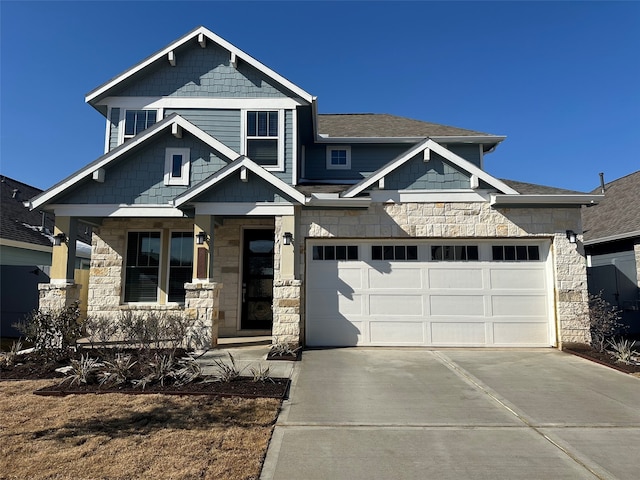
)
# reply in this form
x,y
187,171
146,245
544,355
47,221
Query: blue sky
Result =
x,y
560,79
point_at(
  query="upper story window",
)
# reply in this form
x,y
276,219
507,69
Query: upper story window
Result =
x,y
264,143
338,158
176,166
135,121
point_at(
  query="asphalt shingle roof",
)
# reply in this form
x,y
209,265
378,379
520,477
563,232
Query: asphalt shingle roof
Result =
x,y
618,213
534,189
371,125
15,218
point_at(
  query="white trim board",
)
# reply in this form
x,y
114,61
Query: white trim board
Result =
x,y
239,208
117,210
143,103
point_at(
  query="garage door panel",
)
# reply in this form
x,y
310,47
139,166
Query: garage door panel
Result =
x,y
426,302
456,305
458,333
521,333
455,278
395,332
395,278
519,305
517,279
397,305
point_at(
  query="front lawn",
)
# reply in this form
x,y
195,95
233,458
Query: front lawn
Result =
x,y
118,436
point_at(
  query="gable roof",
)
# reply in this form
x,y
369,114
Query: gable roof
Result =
x,y
524,188
425,145
376,125
144,137
238,164
617,216
194,35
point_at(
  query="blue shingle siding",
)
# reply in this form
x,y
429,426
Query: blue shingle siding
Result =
x,y
436,174
223,125
232,189
469,151
286,175
365,159
139,177
114,125
203,72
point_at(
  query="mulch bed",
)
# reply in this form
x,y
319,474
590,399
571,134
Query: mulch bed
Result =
x,y
602,358
241,387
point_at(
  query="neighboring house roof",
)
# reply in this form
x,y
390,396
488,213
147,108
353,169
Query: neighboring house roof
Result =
x,y
617,216
19,224
534,189
376,125
201,35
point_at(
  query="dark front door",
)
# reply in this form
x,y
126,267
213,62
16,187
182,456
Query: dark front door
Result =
x,y
257,279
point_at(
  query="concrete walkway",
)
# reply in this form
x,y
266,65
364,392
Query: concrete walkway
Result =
x,y
453,414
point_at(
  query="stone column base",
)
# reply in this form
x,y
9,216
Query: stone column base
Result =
x,y
202,301
57,296
286,312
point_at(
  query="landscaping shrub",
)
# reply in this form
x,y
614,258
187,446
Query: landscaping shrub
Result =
x,y
604,320
53,331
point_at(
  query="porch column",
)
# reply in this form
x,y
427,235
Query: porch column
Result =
x,y
62,290
286,288
203,254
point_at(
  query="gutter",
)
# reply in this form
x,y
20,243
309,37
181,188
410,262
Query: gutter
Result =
x,y
546,200
612,238
334,200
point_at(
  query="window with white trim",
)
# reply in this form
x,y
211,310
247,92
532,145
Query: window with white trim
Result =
x,y
177,166
454,253
135,121
394,252
338,158
264,142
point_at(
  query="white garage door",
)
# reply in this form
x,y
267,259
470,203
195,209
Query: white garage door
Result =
x,y
436,293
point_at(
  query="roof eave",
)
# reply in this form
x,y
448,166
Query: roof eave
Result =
x,y
546,200
613,238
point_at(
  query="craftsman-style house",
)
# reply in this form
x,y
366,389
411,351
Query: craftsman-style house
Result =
x,y
224,195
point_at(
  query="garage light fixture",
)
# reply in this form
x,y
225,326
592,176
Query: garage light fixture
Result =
x,y
287,238
571,236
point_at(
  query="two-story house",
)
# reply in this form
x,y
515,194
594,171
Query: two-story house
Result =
x,y
224,195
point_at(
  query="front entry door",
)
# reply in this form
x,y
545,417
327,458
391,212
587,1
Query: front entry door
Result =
x,y
257,280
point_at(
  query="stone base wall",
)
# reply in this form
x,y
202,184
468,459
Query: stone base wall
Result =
x,y
636,251
54,296
286,312
473,220
201,304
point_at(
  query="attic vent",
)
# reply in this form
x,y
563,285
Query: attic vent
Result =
x,y
15,193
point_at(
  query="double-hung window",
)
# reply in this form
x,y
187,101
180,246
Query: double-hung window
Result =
x,y
263,133
149,272
135,121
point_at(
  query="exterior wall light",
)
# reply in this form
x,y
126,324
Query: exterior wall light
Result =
x,y
287,238
59,239
571,236
201,237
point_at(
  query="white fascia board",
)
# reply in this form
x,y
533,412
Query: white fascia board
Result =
x,y
5,242
230,169
242,208
334,200
385,170
483,139
470,168
142,103
585,199
193,35
117,152
340,140
613,238
117,210
330,181
428,196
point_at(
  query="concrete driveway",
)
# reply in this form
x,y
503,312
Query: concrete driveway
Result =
x,y
456,413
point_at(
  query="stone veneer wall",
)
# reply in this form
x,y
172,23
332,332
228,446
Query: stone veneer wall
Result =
x,y
201,304
477,220
56,296
636,251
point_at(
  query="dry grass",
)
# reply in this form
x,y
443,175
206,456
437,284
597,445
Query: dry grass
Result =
x,y
116,436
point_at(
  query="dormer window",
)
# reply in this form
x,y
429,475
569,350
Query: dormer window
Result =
x,y
135,121
264,132
338,158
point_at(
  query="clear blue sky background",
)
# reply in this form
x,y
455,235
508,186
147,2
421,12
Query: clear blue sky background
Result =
x,y
560,79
